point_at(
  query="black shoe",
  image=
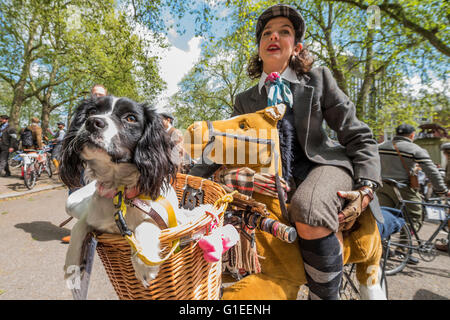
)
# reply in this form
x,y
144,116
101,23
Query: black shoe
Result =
x,y
413,260
8,174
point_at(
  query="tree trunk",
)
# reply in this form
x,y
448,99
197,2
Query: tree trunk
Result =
x,y
45,116
334,65
19,88
368,77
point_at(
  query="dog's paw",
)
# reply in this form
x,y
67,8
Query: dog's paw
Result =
x,y
144,273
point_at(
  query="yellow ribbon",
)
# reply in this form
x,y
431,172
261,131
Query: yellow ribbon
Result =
x,y
132,239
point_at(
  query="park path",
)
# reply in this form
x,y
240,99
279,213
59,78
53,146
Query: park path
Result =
x,y
32,254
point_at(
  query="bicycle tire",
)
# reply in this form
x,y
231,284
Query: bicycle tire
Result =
x,y
29,176
397,262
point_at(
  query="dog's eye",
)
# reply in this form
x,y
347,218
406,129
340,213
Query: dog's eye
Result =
x,y
131,119
91,112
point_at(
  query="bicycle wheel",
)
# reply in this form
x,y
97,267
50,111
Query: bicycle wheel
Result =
x,y
398,255
29,176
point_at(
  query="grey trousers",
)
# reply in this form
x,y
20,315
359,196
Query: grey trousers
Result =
x,y
315,201
4,155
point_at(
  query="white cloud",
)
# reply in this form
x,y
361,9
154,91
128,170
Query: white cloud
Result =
x,y
175,64
415,85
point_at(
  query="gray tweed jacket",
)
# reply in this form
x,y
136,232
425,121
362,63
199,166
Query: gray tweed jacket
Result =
x,y
392,167
317,98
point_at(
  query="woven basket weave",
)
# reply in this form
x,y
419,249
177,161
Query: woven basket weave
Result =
x,y
184,276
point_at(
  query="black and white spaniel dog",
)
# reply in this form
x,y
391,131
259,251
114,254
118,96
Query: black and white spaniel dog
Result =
x,y
112,142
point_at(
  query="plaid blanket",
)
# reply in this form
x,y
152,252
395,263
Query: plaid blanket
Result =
x,y
247,181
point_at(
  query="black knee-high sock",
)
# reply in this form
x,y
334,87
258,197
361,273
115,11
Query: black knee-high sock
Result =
x,y
323,266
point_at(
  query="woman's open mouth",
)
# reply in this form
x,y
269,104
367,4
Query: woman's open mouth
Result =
x,y
273,48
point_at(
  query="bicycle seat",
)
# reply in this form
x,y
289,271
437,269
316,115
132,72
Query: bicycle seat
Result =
x,y
395,183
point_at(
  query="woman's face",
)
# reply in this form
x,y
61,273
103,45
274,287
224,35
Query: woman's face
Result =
x,y
277,45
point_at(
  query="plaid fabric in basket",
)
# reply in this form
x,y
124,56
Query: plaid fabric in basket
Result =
x,y
247,181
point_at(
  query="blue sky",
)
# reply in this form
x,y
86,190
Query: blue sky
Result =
x,y
184,52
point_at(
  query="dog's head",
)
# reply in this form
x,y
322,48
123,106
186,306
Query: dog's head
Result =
x,y
110,133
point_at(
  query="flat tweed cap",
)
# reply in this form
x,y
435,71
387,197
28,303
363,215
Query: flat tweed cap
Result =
x,y
405,129
282,10
445,146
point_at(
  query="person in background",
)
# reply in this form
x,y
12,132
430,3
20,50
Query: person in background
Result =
x,y
36,131
57,143
8,143
392,167
445,148
175,135
98,91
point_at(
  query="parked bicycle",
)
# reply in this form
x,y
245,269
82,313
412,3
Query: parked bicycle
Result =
x,y
399,246
34,163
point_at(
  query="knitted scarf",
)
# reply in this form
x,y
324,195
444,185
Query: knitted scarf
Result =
x,y
278,91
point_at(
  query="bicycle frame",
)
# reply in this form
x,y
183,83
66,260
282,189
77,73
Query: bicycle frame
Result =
x,y
29,158
405,214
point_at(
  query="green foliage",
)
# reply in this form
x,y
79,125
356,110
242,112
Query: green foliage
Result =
x,y
209,90
53,52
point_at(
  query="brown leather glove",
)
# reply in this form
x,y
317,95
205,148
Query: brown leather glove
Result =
x,y
357,204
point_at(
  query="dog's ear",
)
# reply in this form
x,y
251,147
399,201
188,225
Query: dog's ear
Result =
x,y
71,166
153,156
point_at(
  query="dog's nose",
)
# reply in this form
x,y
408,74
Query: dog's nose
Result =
x,y
95,124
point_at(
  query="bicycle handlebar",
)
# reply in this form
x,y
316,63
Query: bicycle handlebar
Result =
x,y
274,227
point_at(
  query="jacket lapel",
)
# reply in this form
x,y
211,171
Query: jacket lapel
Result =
x,y
259,99
302,95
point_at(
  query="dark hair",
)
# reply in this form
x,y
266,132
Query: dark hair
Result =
x,y
404,130
300,64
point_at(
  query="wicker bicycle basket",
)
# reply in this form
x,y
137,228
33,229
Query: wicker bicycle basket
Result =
x,y
185,275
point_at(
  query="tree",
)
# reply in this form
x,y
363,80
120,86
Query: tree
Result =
x,y
22,27
427,18
370,62
56,51
209,90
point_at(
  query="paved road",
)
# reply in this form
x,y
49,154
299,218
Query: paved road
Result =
x,y
31,253
426,280
32,256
